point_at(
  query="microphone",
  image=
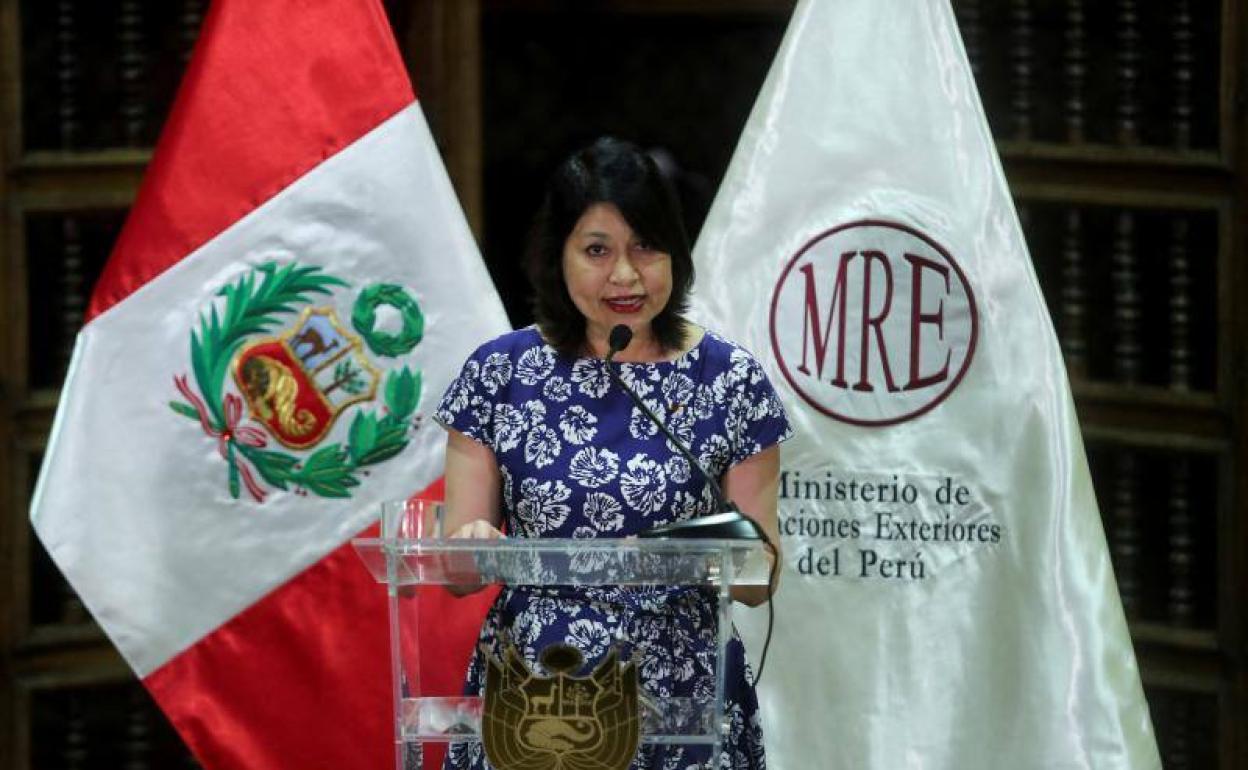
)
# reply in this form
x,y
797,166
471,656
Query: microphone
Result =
x,y
727,522
617,340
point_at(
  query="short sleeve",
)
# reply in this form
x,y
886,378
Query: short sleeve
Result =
x,y
756,419
467,405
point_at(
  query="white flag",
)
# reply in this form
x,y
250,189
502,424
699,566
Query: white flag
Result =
x,y
948,600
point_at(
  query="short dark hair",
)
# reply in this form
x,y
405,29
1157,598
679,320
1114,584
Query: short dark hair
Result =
x,y
607,171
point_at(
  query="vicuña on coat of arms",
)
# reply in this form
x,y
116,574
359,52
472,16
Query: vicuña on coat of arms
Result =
x,y
561,722
297,379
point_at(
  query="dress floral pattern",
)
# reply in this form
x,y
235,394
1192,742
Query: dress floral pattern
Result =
x,y
578,459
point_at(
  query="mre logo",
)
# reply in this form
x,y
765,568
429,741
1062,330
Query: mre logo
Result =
x,y
873,323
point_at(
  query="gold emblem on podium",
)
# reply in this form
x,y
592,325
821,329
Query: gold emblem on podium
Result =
x,y
561,722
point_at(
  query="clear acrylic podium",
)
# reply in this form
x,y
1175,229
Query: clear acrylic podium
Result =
x,y
412,567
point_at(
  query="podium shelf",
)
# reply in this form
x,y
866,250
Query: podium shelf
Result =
x,y
561,561
452,720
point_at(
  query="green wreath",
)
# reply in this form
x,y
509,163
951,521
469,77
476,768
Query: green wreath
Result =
x,y
364,319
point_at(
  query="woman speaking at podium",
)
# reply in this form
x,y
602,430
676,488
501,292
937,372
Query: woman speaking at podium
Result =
x,y
542,441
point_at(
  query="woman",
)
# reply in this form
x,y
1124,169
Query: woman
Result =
x,y
541,441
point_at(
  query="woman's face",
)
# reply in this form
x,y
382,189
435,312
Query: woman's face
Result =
x,y
613,276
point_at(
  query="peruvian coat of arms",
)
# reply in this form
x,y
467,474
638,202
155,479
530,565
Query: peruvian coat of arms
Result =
x,y
296,368
560,722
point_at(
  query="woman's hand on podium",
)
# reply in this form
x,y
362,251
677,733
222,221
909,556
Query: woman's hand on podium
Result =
x,y
473,491
753,484
479,529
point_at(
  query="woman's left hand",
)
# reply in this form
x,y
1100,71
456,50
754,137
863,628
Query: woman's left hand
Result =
x,y
753,485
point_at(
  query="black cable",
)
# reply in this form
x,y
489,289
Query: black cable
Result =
x,y
771,607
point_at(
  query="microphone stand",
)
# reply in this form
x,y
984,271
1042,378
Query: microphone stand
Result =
x,y
727,523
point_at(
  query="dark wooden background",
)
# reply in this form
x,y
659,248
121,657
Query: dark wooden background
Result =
x,y
1121,124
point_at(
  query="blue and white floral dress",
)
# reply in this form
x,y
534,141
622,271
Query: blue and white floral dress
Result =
x,y
578,459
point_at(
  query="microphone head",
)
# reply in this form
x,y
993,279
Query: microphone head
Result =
x,y
619,338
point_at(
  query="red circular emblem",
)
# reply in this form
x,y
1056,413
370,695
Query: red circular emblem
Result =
x,y
873,323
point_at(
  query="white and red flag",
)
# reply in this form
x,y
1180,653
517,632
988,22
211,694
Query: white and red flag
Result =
x,y
293,290
948,602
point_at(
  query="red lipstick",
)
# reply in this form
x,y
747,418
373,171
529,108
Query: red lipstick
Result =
x,y
626,305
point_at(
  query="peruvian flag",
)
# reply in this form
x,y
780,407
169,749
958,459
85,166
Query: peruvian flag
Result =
x,y
949,602
294,288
